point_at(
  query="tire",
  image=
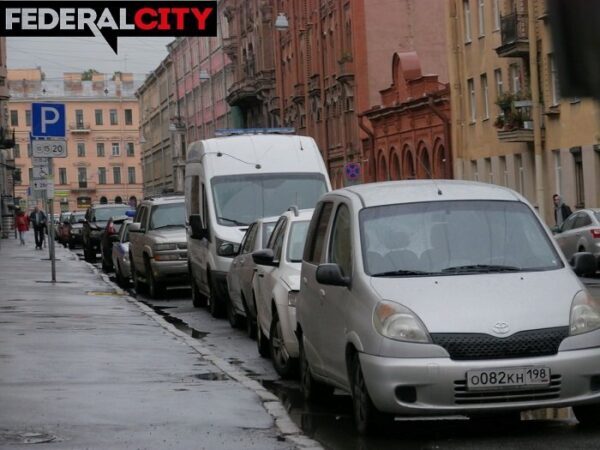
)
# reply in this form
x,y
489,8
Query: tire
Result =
x,y
155,288
284,365
312,390
198,300
235,320
216,307
137,283
71,245
367,418
262,343
587,415
106,268
250,322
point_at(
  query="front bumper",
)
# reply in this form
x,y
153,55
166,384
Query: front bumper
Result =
x,y
439,383
170,271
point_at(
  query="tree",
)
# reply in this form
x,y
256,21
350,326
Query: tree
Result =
x,y
87,75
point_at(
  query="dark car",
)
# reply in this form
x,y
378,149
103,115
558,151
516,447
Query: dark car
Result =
x,y
60,235
72,229
96,218
110,235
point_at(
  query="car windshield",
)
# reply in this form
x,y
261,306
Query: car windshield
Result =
x,y
267,229
103,214
296,241
168,215
241,199
454,237
75,218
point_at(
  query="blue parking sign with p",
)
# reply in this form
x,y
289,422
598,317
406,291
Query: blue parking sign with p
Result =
x,y
48,120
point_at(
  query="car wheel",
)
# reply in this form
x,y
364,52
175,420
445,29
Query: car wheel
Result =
x,y
215,306
283,364
198,300
155,288
137,283
235,320
366,416
106,268
262,342
250,322
312,390
587,415
71,245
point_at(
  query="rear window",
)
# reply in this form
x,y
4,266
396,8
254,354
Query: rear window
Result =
x,y
103,214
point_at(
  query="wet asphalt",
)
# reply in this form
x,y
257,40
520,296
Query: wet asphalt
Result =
x,y
331,424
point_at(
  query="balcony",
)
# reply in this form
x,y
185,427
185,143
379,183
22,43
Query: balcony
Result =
x,y
7,138
514,30
80,128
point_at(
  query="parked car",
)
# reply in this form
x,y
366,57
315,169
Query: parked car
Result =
x,y
157,247
442,297
120,254
235,179
580,233
60,235
73,229
240,306
276,287
110,236
96,218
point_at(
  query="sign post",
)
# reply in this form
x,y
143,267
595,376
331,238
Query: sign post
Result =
x,y
47,142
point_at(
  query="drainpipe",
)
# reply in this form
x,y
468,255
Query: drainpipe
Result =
x,y
455,64
371,135
447,135
536,111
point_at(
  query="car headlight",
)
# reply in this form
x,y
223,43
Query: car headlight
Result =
x,y
585,313
396,322
164,247
292,296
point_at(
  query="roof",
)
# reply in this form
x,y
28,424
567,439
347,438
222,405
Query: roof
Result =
x,y
414,191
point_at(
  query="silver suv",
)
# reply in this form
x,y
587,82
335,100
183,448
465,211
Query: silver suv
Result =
x,y
444,298
158,247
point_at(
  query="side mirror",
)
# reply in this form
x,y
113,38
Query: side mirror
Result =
x,y
331,275
555,230
228,249
264,257
135,227
198,231
583,263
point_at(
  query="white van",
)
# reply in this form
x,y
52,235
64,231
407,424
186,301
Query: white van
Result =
x,y
231,181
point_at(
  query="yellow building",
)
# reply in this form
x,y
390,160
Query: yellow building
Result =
x,y
510,125
104,156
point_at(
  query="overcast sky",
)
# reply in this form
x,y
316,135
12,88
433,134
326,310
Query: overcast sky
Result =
x,y
57,55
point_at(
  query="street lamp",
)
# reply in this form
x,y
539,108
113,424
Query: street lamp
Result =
x,y
282,23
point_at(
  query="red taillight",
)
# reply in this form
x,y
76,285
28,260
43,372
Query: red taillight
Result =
x,y
595,233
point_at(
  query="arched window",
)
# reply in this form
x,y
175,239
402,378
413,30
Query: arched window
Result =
x,y
395,169
118,199
133,201
439,162
409,164
424,166
103,200
382,169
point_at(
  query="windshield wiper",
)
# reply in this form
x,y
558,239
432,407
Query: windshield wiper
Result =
x,y
168,226
236,222
481,268
402,273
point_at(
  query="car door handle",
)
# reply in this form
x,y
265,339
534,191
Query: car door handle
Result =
x,y
322,292
261,275
305,280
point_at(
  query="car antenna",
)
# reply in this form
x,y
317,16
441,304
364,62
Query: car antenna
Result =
x,y
430,175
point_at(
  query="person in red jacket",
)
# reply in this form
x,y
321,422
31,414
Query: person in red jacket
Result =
x,y
22,222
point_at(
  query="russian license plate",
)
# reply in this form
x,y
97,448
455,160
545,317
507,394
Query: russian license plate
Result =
x,y
508,378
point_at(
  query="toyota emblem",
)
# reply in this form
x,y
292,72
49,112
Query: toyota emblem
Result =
x,y
501,328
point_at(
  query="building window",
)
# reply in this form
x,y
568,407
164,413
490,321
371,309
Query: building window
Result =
x,y
29,149
467,12
554,81
100,149
504,171
128,117
28,118
130,149
472,104
474,171
520,174
515,78
116,175
499,82
101,175
486,98
79,118
62,176
82,177
489,173
116,150
99,117
579,179
113,117
496,12
30,175
481,18
17,152
81,149
131,175
14,118
557,172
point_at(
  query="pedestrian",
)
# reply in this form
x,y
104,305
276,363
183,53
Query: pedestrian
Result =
x,y
561,210
38,219
22,222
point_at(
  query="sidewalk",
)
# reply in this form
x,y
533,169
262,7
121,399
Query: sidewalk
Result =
x,y
84,366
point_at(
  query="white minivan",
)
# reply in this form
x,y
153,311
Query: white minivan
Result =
x,y
231,181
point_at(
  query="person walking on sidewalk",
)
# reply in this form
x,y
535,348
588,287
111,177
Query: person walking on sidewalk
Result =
x,y
22,222
561,210
38,220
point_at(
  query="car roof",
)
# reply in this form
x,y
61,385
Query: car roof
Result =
x,y
109,205
303,214
268,219
164,200
414,191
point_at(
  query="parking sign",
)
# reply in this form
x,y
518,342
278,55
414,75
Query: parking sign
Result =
x,y
48,120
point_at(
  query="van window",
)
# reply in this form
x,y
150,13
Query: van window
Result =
x,y
204,206
454,237
314,247
340,251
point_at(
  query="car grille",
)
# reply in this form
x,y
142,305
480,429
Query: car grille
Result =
x,y
472,346
464,397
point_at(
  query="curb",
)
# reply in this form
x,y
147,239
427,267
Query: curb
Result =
x,y
273,406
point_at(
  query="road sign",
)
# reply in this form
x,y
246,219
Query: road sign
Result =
x,y
49,148
48,120
40,172
50,190
352,171
39,185
38,162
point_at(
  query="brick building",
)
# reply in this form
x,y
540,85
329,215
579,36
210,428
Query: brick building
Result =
x,y
411,126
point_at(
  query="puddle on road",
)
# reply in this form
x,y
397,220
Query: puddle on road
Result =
x,y
175,321
212,376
